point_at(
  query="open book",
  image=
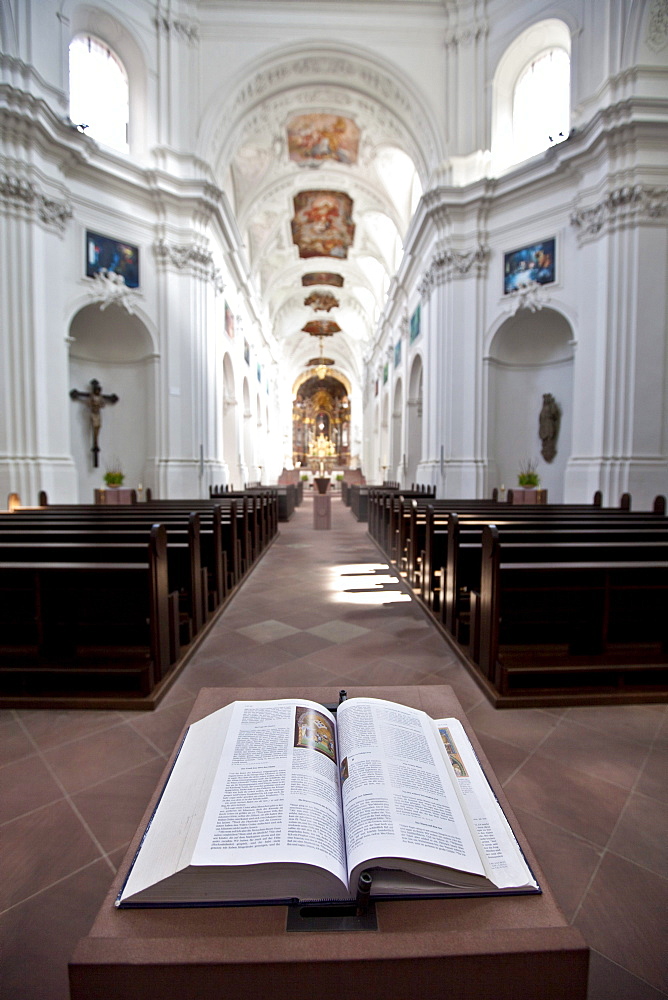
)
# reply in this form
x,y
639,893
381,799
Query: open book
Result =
x,y
278,801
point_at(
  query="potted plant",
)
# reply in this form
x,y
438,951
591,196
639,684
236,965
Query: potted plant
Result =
x,y
528,476
113,477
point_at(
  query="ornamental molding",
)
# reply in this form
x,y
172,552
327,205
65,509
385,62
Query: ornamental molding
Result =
x,y
185,30
314,78
53,213
448,264
18,191
628,205
194,259
657,26
109,289
531,297
467,36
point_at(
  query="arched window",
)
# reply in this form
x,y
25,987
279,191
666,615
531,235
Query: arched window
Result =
x,y
99,93
531,94
541,103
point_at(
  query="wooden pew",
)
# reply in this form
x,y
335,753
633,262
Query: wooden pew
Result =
x,y
90,623
197,564
434,556
464,550
208,549
384,506
230,534
580,620
247,524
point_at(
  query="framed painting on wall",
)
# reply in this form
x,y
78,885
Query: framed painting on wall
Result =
x,y
229,322
415,324
104,254
533,263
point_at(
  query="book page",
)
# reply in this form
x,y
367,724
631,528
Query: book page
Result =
x,y
172,831
504,862
399,799
276,795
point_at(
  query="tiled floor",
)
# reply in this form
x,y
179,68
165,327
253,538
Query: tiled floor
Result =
x,y
588,784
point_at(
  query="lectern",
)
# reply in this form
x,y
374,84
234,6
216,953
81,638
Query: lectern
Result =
x,y
471,949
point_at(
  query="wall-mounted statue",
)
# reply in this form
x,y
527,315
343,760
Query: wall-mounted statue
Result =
x,y
548,426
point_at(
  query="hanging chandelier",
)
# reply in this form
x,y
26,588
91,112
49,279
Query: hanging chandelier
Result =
x,y
320,364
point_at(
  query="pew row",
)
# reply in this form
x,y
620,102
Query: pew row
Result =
x,y
60,564
587,616
582,620
91,622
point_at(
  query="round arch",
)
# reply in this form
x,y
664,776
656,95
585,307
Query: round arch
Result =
x,y
117,349
397,461
531,355
230,417
528,45
265,90
414,420
91,19
334,372
248,456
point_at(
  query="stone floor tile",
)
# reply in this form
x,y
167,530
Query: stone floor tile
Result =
x,y
568,798
625,917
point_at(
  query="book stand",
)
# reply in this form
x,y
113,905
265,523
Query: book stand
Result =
x,y
474,948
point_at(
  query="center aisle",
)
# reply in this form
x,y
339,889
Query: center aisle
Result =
x,y
322,608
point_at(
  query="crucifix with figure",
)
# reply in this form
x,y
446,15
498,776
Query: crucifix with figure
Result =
x,y
95,400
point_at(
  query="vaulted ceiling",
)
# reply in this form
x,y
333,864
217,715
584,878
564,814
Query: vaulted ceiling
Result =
x,y
325,159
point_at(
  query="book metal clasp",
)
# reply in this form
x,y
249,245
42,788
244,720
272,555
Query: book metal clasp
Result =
x,y
358,915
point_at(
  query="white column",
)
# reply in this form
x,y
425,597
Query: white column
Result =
x,y
34,438
453,410
620,419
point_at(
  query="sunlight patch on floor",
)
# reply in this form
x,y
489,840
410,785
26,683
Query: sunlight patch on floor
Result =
x,y
365,583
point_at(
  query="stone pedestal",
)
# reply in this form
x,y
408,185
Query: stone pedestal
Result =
x,y
322,511
497,947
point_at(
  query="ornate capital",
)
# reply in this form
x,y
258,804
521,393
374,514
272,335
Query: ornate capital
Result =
x,y
468,35
196,260
657,26
110,289
628,205
53,213
19,191
177,26
448,264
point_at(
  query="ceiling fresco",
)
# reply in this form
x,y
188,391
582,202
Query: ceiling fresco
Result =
x,y
322,278
322,301
322,225
313,138
304,118
321,328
